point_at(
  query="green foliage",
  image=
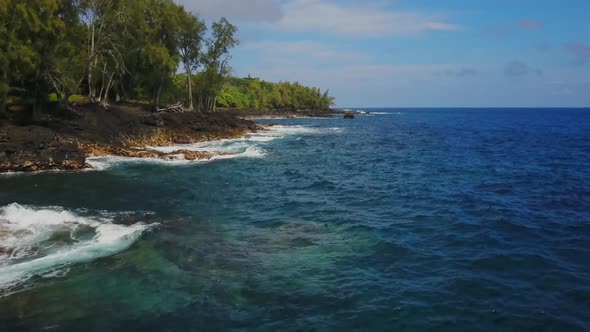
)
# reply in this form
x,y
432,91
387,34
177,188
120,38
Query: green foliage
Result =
x,y
216,62
78,99
190,36
30,31
59,50
258,94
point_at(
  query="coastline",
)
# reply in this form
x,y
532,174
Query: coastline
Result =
x,y
252,114
65,140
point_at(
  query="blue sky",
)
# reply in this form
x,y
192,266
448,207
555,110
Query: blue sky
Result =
x,y
379,53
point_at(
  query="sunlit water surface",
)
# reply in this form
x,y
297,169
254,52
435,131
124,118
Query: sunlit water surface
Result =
x,y
435,219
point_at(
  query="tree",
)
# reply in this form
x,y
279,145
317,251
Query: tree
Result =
x,y
158,56
327,100
67,67
4,56
217,61
32,28
131,50
107,22
255,93
190,36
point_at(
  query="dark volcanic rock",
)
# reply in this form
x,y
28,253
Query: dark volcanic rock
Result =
x,y
154,121
62,140
56,155
349,116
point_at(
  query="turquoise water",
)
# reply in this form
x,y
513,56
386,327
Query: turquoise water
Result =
x,y
432,219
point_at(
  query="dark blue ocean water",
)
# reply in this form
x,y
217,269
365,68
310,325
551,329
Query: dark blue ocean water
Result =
x,y
415,219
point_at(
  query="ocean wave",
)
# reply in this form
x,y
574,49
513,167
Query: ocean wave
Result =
x,y
107,162
387,113
239,145
248,146
46,242
283,131
251,152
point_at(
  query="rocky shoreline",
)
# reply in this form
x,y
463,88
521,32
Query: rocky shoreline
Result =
x,y
62,140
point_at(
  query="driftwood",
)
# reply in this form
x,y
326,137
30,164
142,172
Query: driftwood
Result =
x,y
104,104
176,108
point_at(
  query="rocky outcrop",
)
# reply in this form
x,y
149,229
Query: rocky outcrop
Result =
x,y
349,116
193,155
54,156
63,141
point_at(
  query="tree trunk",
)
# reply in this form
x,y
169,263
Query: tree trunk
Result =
x,y
102,81
4,106
91,90
65,101
214,106
158,96
125,96
190,90
109,85
99,99
36,105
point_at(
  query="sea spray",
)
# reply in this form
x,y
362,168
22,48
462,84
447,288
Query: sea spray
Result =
x,y
46,241
249,146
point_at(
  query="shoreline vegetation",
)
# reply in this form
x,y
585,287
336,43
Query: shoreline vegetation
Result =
x,y
81,78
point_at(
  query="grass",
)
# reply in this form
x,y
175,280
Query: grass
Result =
x,y
78,99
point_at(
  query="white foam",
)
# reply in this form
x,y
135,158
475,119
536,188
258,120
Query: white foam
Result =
x,y
294,130
327,117
262,137
223,145
251,152
247,146
27,235
106,162
281,131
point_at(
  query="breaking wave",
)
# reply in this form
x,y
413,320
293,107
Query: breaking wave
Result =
x,y
45,242
248,146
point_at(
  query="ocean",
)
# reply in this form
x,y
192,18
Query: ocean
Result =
x,y
399,220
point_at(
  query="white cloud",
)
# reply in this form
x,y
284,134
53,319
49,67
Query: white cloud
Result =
x,y
303,52
373,84
364,19
237,10
365,85
368,19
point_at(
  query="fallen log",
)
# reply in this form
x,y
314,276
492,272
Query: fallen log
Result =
x,y
176,108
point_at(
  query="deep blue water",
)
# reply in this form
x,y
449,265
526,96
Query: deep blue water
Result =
x,y
418,219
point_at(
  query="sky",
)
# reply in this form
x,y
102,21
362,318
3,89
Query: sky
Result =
x,y
416,53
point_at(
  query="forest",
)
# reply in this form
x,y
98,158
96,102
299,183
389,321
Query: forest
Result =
x,y
254,93
149,51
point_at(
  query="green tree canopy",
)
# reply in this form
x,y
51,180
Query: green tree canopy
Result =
x,y
131,50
